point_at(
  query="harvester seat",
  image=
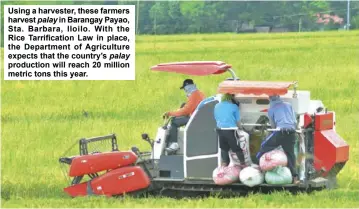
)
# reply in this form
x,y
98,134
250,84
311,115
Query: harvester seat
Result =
x,y
181,130
180,140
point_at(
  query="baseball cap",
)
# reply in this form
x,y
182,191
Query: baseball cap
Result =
x,y
186,82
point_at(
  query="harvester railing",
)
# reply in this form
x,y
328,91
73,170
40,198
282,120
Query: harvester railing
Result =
x,y
234,76
83,143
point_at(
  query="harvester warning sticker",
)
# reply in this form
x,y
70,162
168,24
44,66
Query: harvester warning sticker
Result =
x,y
69,42
126,175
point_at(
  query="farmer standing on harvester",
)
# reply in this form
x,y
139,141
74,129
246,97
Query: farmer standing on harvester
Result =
x,y
282,118
182,116
227,118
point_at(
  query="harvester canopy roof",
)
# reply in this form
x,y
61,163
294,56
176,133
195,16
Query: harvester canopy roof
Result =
x,y
254,87
198,68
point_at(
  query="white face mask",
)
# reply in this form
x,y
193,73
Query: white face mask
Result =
x,y
189,89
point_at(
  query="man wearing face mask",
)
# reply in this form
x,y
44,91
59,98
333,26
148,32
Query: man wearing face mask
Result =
x,y
283,118
182,115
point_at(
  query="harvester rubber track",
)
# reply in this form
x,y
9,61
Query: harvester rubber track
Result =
x,y
200,188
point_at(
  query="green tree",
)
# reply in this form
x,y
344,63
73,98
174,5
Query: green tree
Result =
x,y
176,19
192,11
159,17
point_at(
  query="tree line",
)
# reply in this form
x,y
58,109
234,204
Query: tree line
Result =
x,y
182,17
177,17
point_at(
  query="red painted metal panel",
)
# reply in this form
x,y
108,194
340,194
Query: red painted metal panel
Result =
x,y
342,154
324,152
121,180
329,149
324,121
87,164
77,190
307,120
198,68
254,87
342,148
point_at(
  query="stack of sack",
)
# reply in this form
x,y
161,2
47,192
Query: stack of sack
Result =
x,y
272,168
249,176
230,174
274,164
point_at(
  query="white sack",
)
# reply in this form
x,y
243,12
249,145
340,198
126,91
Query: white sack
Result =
x,y
251,176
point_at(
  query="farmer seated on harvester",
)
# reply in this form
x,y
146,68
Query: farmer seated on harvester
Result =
x,y
227,118
282,118
182,115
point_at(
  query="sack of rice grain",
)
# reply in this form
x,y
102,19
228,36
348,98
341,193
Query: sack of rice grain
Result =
x,y
226,175
243,143
272,159
279,176
251,176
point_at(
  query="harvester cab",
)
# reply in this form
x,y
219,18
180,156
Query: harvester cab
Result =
x,y
321,153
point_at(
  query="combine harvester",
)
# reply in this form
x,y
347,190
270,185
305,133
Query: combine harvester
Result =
x,y
321,152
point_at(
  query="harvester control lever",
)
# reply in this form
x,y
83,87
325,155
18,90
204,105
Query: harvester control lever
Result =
x,y
67,160
319,109
135,150
147,139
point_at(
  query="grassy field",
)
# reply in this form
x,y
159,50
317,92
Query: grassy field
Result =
x,y
42,119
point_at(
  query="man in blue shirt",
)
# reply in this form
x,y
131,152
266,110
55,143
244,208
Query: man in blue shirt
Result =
x,y
282,118
227,118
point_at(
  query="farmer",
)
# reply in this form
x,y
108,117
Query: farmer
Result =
x,y
282,118
182,115
227,118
